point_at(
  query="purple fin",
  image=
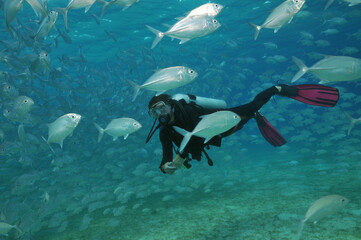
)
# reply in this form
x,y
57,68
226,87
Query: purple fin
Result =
x,y
318,95
268,131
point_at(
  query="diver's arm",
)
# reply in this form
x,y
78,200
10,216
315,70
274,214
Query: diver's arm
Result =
x,y
167,147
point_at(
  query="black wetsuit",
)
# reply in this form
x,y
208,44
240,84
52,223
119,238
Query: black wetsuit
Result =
x,y
186,116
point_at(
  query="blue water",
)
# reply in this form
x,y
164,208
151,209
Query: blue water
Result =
x,y
115,190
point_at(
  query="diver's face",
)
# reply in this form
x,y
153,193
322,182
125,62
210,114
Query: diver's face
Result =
x,y
160,109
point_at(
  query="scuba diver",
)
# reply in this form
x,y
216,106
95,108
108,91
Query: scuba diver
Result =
x,y
182,114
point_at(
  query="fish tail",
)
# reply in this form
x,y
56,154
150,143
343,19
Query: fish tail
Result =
x,y
329,2
300,229
186,137
18,229
136,88
159,35
48,144
105,7
352,122
64,12
301,72
101,132
257,28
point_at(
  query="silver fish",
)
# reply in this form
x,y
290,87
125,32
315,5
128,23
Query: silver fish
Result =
x,y
62,127
9,91
3,75
165,79
125,4
119,127
279,16
351,3
5,228
188,29
322,208
74,4
23,105
331,69
11,8
210,126
209,9
46,25
39,7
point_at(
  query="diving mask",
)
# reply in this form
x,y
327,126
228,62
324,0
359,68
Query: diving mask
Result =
x,y
158,109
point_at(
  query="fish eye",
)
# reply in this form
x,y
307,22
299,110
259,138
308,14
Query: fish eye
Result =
x,y
25,101
214,21
134,124
216,5
342,200
72,116
191,71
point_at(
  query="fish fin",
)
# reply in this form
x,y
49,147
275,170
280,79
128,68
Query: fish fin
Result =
x,y
186,137
300,229
352,122
183,41
206,140
329,2
64,12
322,68
125,8
87,8
326,55
257,28
61,144
302,71
159,93
115,138
136,89
125,137
167,25
159,35
47,142
290,20
101,132
105,7
276,30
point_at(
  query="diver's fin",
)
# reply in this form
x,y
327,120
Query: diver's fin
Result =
x,y
268,131
318,95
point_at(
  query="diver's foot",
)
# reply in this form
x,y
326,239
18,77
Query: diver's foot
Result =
x,y
287,91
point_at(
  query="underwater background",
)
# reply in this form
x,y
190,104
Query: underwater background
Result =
x,y
115,189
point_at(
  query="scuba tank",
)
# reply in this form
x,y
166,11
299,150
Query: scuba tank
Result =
x,y
209,103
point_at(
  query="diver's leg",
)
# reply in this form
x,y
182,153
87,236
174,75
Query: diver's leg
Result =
x,y
247,110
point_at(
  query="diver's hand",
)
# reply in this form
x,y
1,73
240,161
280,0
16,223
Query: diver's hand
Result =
x,y
169,168
178,161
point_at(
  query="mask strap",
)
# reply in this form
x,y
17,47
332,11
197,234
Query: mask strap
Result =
x,y
151,132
